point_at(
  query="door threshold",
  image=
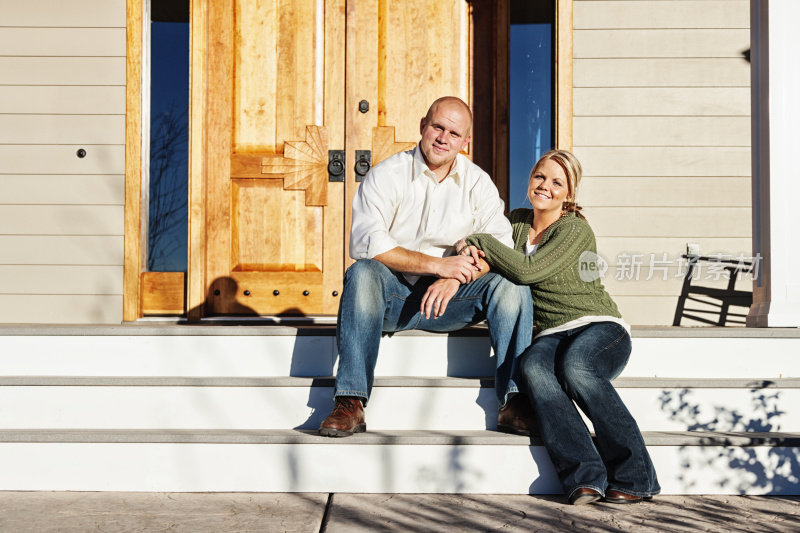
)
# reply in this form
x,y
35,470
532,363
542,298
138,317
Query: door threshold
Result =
x,y
314,320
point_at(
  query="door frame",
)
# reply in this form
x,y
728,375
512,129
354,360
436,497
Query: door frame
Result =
x,y
132,266
490,143
179,294
158,293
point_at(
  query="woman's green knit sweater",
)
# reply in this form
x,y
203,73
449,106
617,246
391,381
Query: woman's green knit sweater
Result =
x,y
553,272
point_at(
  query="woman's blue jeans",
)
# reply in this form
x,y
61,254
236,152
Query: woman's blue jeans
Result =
x,y
579,365
376,299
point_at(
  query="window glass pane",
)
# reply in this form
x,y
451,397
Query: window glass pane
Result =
x,y
531,116
168,223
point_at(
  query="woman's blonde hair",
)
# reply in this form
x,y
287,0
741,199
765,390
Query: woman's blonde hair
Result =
x,y
572,169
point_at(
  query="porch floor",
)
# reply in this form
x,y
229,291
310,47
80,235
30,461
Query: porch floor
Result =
x,y
44,512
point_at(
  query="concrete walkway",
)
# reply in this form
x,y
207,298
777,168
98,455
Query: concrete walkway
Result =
x,y
338,513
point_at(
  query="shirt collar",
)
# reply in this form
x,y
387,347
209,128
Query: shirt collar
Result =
x,y
421,169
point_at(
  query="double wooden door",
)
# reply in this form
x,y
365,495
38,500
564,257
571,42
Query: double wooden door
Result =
x,y
280,84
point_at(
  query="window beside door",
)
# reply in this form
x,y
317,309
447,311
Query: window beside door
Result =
x,y
167,179
531,80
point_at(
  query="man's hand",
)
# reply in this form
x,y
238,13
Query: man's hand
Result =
x,y
458,267
437,297
475,255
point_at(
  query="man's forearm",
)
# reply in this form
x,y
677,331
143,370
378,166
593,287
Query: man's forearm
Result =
x,y
455,266
401,260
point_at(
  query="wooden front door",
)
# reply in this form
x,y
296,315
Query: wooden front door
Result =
x,y
285,82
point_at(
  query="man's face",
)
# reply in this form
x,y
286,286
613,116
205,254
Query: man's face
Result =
x,y
444,135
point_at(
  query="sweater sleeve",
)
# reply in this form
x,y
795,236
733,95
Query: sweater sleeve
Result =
x,y
561,251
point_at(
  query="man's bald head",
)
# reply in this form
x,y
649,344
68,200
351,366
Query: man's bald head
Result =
x,y
445,131
451,100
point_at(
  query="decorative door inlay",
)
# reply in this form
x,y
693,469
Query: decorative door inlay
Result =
x,y
278,225
303,166
384,144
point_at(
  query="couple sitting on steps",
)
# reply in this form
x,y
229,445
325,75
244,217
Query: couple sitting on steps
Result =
x,y
435,252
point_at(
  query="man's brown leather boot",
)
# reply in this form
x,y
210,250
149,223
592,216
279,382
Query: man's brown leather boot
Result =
x,y
516,417
346,418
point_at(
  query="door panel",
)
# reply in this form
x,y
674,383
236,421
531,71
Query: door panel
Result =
x,y
278,73
293,243
274,221
284,80
423,53
401,56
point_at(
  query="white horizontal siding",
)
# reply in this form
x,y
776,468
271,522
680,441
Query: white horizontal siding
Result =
x,y
658,222
648,309
661,72
662,131
62,71
62,159
649,43
665,161
62,129
60,279
657,278
665,191
60,250
651,254
57,13
659,101
60,309
62,99
662,127
62,88
652,309
62,41
61,220
62,189
599,14
610,247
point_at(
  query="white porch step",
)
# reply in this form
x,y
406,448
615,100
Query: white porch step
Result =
x,y
248,351
382,462
399,403
78,406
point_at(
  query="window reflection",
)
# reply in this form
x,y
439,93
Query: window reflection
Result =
x,y
531,87
167,224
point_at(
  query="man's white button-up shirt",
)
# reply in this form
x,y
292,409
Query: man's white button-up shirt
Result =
x,y
401,203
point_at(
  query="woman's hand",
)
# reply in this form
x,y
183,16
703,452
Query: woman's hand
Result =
x,y
437,297
471,251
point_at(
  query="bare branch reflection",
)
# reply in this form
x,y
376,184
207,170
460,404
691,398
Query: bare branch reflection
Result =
x,y
166,232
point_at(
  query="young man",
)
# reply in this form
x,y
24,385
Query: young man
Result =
x,y
408,214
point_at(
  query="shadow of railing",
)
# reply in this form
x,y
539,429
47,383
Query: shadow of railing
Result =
x,y
712,305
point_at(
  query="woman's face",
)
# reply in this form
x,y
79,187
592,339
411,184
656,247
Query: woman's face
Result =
x,y
548,187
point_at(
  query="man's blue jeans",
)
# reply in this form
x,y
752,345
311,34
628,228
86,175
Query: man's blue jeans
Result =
x,y
376,299
579,365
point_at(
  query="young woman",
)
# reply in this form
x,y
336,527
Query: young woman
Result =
x,y
581,342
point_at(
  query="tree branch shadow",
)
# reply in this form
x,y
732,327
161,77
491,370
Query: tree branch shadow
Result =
x,y
776,472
